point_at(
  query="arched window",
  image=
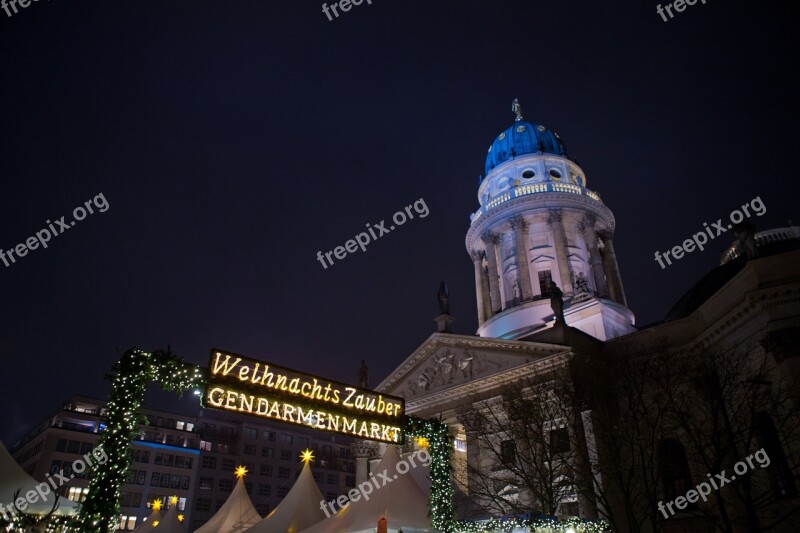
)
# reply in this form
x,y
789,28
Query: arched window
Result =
x,y
674,469
780,474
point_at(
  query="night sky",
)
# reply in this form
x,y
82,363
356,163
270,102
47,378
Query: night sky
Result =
x,y
234,140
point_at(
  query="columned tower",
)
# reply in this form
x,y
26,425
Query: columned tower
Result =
x,y
537,223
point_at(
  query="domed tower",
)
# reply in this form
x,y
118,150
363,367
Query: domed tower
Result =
x,y
538,223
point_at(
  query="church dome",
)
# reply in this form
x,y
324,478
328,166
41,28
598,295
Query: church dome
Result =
x,y
521,138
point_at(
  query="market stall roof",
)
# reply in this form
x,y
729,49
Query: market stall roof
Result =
x,y
299,510
236,514
13,478
401,501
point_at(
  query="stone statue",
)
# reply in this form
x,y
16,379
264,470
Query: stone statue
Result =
x,y
465,364
444,299
363,375
580,283
516,109
447,366
745,231
557,302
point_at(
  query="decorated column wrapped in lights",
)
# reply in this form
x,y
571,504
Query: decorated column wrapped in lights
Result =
x,y
131,375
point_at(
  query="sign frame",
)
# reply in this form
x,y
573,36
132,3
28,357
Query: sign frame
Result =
x,y
244,385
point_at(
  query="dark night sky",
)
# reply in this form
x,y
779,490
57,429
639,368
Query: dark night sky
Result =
x,y
233,140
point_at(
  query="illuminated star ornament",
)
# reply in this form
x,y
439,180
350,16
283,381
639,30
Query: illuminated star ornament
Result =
x,y
156,505
173,500
422,442
181,518
307,456
240,472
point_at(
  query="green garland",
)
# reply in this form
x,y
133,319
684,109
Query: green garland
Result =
x,y
440,447
440,503
134,371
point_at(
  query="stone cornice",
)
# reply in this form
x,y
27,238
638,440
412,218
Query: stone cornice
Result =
x,y
493,219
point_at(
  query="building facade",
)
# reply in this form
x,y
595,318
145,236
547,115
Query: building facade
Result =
x,y
166,458
591,417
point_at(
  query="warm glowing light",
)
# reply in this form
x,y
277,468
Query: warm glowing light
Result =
x,y
307,456
422,442
181,518
173,500
240,472
156,505
155,523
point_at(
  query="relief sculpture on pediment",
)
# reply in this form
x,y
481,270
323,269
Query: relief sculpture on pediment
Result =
x,y
446,367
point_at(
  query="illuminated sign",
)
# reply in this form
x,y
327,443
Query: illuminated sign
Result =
x,y
244,385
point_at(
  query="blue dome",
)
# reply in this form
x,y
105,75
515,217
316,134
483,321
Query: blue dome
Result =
x,y
523,138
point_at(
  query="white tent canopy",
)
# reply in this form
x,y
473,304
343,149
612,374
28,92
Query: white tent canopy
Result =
x,y
13,478
170,522
298,510
236,514
147,525
401,502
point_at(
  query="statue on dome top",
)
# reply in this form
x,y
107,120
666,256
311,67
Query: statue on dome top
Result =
x,y
516,109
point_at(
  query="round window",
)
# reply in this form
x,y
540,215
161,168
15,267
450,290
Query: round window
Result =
x,y
555,174
528,174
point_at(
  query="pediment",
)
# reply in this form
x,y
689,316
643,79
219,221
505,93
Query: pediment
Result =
x,y
446,361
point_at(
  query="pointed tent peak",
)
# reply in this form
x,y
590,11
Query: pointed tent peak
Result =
x,y
151,521
240,471
236,514
390,458
299,509
170,523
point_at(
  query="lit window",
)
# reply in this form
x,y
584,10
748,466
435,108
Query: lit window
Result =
x,y
460,445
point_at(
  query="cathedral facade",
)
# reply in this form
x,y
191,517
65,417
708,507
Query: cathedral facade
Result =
x,y
560,406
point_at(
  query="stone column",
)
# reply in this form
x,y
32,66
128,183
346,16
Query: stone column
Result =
x,y
587,225
481,287
494,278
487,301
562,252
362,451
523,272
612,269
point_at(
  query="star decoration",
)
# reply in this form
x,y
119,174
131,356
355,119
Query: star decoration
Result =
x,y
173,500
240,472
156,505
307,456
180,518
